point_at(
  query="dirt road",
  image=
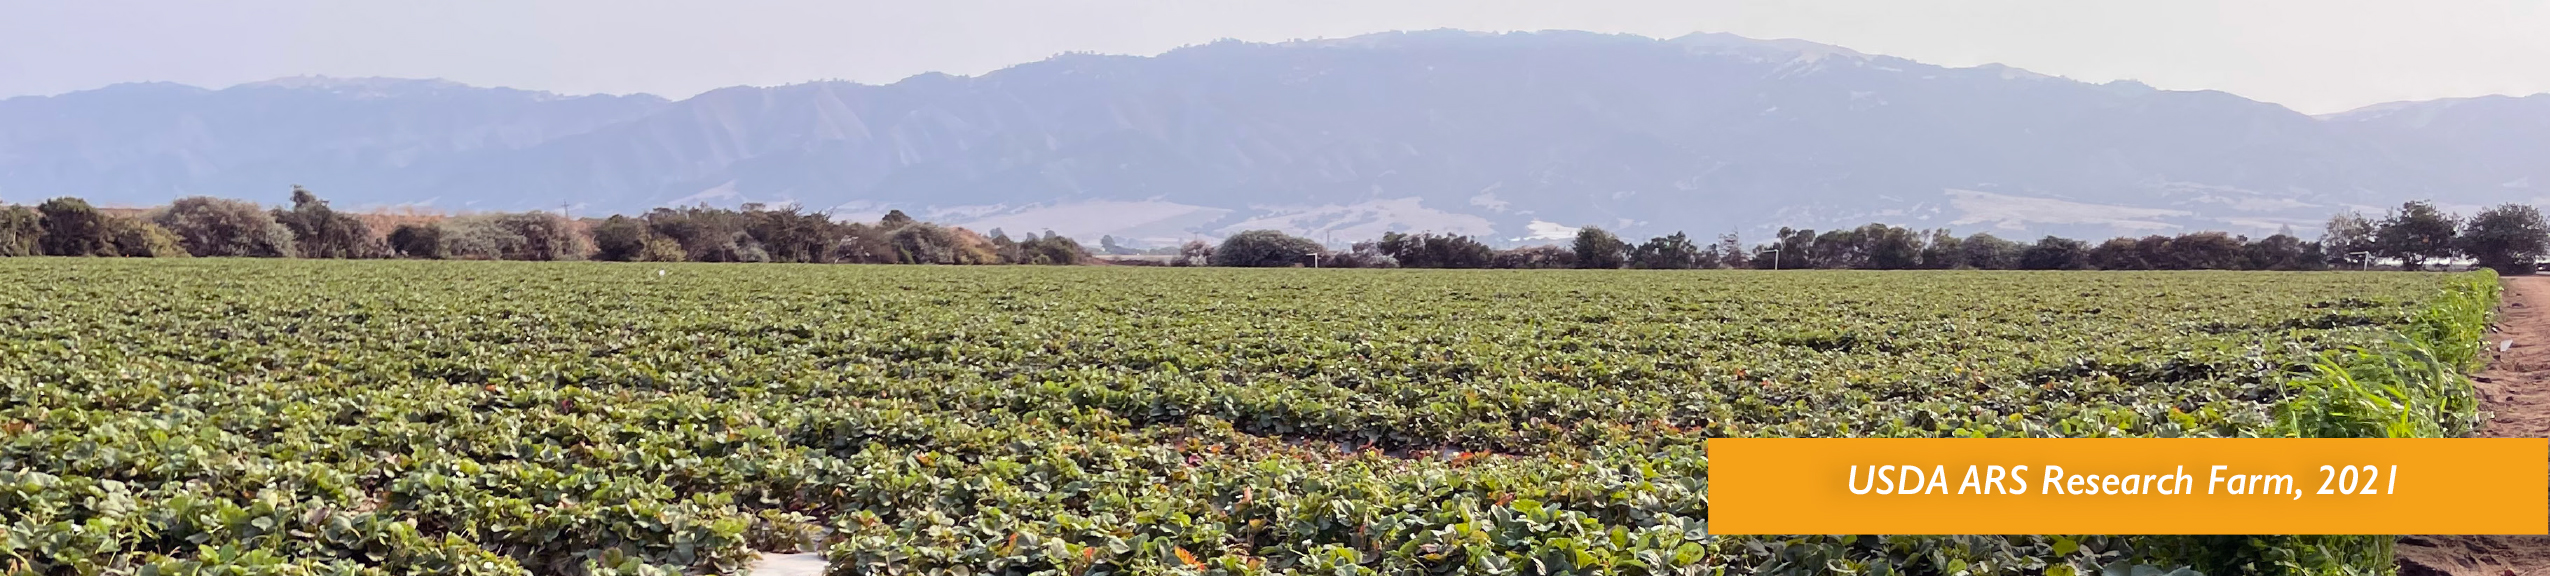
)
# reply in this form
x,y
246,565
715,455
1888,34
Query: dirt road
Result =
x,y
2515,389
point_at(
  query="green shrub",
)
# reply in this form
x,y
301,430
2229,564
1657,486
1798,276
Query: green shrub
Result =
x,y
925,243
1265,248
208,226
621,239
73,228
321,232
1051,250
138,238
662,250
418,241
513,236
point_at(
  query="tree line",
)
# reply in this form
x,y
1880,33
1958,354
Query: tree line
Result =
x,y
309,228
2511,238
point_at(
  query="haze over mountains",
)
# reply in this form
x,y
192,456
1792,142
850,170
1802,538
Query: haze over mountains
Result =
x,y
1509,136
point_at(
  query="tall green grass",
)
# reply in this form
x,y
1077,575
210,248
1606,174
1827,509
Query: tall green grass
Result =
x,y
2411,385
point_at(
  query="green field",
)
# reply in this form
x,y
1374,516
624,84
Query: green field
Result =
x,y
486,417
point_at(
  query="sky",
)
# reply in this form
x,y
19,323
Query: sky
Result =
x,y
2314,56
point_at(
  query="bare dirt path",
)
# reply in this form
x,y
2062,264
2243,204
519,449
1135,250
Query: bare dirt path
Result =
x,y
2515,390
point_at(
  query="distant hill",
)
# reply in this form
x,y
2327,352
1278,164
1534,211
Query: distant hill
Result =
x,y
1511,136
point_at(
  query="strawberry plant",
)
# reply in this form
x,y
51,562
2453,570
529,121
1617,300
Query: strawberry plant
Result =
x,y
363,417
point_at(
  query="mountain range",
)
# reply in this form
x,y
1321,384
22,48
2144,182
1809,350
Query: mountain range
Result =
x,y
1516,137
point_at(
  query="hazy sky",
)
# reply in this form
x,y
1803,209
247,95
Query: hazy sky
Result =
x,y
2315,56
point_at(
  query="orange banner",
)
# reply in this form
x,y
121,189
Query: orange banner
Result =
x,y
2129,486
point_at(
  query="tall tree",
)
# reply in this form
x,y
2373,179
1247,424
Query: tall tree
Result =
x,y
2055,253
2206,251
1983,251
1729,252
1598,248
1836,249
789,235
2119,254
2346,234
2415,233
1790,249
709,234
2510,238
2284,252
1890,247
1672,252
1436,251
1944,251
